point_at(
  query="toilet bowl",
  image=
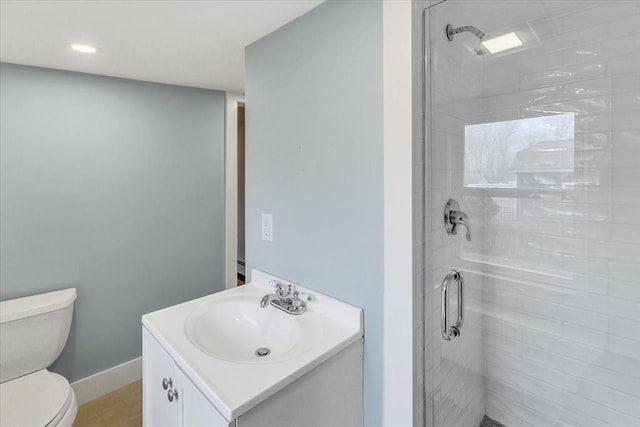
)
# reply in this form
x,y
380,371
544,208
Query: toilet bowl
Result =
x,y
34,331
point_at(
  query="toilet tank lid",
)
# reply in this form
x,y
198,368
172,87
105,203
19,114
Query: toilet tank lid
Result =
x,y
20,308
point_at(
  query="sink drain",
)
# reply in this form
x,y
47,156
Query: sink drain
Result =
x,y
262,352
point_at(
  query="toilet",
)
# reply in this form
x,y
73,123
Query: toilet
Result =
x,y
33,332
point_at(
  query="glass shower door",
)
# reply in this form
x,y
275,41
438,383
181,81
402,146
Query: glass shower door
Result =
x,y
533,126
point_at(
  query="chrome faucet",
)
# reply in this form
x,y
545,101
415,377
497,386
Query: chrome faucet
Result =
x,y
267,298
288,300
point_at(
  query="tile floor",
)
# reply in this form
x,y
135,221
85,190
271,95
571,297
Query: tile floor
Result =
x,y
488,422
121,408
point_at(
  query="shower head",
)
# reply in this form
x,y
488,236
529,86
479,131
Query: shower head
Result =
x,y
521,37
470,28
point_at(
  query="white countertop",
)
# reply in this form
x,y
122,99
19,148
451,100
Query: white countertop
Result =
x,y
234,388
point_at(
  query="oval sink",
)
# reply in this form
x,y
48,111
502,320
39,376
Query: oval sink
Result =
x,y
234,328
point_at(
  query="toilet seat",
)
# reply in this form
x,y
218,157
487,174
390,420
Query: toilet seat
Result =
x,y
40,399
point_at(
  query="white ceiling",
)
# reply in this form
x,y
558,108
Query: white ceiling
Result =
x,y
189,43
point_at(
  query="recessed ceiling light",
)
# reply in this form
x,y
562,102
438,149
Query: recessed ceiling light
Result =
x,y
501,43
84,48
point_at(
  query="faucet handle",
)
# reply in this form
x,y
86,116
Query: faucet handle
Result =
x,y
296,302
279,288
454,216
459,217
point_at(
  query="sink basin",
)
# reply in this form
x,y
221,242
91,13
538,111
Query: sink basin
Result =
x,y
236,329
213,340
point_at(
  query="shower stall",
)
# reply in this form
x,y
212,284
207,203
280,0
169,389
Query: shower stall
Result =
x,y
529,299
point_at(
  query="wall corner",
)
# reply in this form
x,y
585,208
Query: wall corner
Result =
x,y
398,231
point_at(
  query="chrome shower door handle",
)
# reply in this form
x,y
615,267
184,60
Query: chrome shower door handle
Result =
x,y
449,332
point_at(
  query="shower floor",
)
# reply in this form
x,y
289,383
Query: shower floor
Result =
x,y
488,422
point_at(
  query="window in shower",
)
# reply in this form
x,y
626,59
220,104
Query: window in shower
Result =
x,y
533,153
509,168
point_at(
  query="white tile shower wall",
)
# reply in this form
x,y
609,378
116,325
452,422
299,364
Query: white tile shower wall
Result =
x,y
561,278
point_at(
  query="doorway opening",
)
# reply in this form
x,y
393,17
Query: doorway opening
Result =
x,y
241,226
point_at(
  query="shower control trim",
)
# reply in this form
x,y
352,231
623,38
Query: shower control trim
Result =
x,y
453,217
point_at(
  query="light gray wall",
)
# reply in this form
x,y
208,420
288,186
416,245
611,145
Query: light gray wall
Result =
x,y
115,187
315,162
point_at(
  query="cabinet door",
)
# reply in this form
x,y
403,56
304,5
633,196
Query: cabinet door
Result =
x,y
158,410
197,410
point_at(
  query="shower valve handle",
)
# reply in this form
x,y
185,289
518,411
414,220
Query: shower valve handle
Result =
x,y
453,217
458,217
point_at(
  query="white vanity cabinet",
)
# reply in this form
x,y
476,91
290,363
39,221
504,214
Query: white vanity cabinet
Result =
x,y
317,399
202,365
170,398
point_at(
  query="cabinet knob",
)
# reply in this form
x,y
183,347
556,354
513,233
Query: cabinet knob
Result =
x,y
172,394
167,383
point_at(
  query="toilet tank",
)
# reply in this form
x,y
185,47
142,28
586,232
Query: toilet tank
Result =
x,y
33,331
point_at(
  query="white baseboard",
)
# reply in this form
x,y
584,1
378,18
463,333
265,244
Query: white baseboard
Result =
x,y
241,268
109,380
